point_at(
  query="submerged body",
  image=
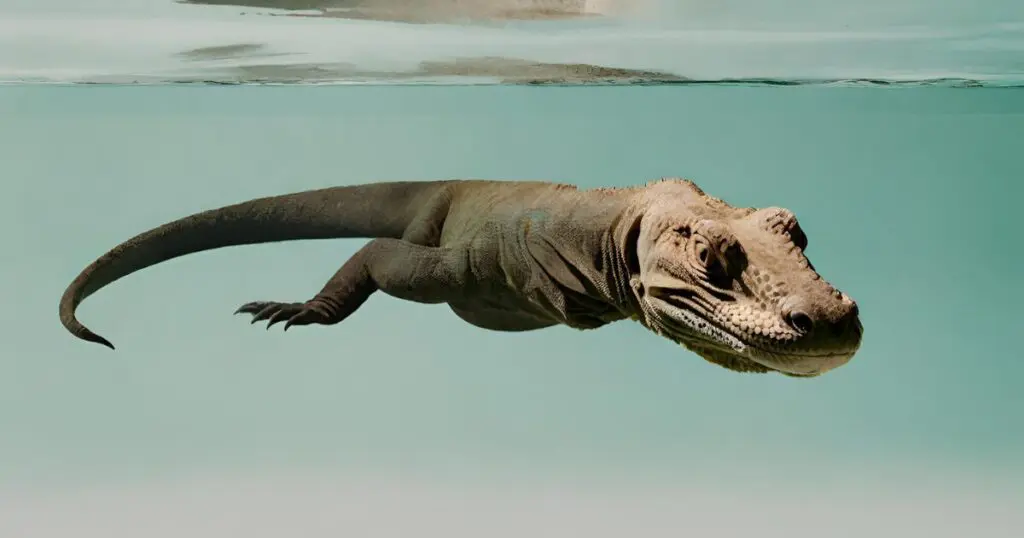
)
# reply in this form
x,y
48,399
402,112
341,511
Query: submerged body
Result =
x,y
731,284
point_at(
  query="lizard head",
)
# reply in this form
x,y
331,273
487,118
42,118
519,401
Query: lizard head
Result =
x,y
734,285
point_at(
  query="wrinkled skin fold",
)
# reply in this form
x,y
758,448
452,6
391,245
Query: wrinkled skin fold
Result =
x,y
732,285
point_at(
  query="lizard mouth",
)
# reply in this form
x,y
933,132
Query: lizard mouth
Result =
x,y
682,313
678,313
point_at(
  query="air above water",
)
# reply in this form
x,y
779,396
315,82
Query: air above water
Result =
x,y
790,40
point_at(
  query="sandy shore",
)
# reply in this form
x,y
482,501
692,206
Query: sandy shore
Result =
x,y
507,70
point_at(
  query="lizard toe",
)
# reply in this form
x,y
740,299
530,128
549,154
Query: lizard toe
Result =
x,y
265,312
314,311
252,308
283,313
308,316
268,310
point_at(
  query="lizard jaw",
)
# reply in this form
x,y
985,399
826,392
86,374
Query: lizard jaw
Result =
x,y
691,329
686,324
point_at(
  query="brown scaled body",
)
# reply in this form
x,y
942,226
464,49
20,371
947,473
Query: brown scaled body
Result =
x,y
731,284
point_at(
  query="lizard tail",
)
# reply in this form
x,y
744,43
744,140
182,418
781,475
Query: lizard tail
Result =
x,y
372,210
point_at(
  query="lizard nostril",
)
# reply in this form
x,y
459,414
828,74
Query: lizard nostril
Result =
x,y
800,321
849,320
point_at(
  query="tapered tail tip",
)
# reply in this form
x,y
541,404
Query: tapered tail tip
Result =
x,y
67,318
80,331
86,334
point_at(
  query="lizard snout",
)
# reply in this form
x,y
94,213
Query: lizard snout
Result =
x,y
834,321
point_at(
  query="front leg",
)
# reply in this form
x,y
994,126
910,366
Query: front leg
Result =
x,y
397,267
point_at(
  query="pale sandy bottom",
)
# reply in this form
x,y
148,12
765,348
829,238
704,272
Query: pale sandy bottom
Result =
x,y
322,506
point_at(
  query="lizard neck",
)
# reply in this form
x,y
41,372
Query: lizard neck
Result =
x,y
622,266
597,237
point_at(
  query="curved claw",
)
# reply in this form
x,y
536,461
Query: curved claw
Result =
x,y
305,317
266,312
251,308
285,311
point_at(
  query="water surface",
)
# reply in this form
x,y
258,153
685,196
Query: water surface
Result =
x,y
150,40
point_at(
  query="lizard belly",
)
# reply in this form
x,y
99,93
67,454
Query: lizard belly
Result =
x,y
499,319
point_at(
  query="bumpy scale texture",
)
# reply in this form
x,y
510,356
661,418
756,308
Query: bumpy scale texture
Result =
x,y
731,284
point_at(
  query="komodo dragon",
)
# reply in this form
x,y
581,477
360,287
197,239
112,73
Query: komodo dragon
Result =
x,y
730,284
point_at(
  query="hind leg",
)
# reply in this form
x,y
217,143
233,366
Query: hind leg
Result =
x,y
397,267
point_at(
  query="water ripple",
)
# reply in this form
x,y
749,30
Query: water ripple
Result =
x,y
184,43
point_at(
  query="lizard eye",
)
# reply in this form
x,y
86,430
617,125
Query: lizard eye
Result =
x,y
721,261
706,258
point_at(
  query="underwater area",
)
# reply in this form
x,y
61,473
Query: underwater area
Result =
x,y
892,131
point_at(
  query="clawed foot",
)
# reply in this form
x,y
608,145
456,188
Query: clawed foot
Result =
x,y
291,313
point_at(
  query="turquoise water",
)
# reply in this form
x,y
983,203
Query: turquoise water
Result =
x,y
405,418
908,197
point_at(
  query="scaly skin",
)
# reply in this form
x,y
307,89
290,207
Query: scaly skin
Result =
x,y
731,284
